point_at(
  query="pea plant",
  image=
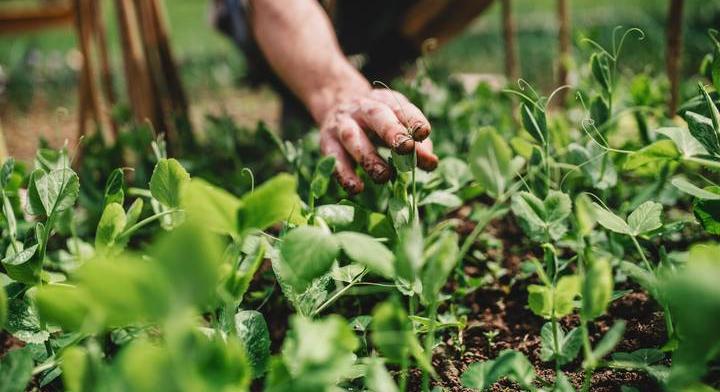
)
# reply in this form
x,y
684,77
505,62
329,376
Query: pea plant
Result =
x,y
551,250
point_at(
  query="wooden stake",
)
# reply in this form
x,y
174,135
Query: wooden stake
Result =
x,y
508,28
673,51
565,57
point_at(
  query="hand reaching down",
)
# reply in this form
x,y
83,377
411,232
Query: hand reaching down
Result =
x,y
382,115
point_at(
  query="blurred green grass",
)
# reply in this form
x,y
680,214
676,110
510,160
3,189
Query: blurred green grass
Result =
x,y
37,62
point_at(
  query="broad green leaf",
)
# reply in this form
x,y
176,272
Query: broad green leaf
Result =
x,y
319,351
568,344
657,152
440,259
584,215
75,367
239,282
609,220
53,192
546,301
694,296
511,364
643,356
707,211
253,332
392,334
211,206
594,163
378,379
454,171
442,198
112,222
6,171
490,161
274,201
309,252
597,288
701,128
24,266
409,252
693,190
611,338
366,250
684,141
23,322
542,220
16,370
167,181
645,218
336,215
347,273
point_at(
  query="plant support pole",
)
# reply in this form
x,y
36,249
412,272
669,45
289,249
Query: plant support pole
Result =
x,y
672,54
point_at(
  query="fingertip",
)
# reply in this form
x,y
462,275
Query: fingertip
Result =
x,y
403,144
428,163
420,130
379,171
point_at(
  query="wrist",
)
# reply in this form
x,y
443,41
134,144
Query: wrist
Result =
x,y
336,87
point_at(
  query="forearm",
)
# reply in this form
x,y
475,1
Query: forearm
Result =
x,y
299,43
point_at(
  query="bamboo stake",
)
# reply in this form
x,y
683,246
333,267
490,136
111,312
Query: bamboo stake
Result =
x,y
105,70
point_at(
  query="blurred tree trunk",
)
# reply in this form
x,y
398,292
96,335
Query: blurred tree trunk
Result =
x,y
564,58
673,51
508,26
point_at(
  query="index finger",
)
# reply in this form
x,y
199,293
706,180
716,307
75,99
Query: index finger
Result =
x,y
409,115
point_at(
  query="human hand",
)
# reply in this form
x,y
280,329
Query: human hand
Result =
x,y
349,125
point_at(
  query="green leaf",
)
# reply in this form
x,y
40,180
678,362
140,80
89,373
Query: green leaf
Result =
x,y
253,332
23,322
490,161
114,188
563,384
24,266
701,128
366,250
645,218
684,141
707,211
693,190
534,122
272,202
309,252
409,252
440,259
597,288
6,171
211,206
377,378
611,338
336,215
112,222
318,353
584,214
442,198
542,220
321,178
609,220
75,368
511,364
52,193
643,356
568,344
544,300
392,334
658,152
599,111
16,370
601,69
595,164
167,181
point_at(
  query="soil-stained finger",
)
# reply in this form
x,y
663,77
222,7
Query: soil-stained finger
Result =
x,y
409,115
379,118
344,167
426,160
357,144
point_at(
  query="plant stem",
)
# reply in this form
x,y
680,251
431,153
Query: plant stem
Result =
x,y
642,254
556,344
404,365
429,343
589,359
338,294
132,229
